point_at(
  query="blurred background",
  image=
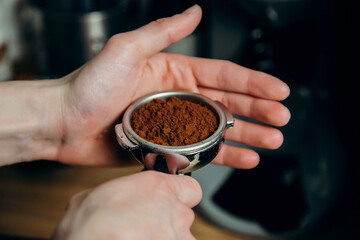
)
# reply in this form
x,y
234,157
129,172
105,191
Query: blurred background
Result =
x,y
307,189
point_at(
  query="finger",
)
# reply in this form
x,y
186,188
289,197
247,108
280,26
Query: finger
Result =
x,y
187,217
237,157
77,199
228,76
186,234
255,135
187,189
159,34
266,111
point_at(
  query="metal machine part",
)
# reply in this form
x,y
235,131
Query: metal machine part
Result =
x,y
72,32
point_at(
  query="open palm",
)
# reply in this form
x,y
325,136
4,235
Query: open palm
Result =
x,y
131,65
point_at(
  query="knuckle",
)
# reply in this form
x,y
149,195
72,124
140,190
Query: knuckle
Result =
x,y
162,24
160,21
185,214
188,215
122,42
157,180
196,186
76,199
113,41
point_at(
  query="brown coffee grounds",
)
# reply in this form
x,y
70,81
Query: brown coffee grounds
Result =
x,y
174,122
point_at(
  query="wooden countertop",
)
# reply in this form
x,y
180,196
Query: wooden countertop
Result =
x,y
33,197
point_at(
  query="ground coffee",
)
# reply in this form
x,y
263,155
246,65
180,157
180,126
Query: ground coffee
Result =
x,y
174,122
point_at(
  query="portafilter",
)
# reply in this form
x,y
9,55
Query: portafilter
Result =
x,y
174,159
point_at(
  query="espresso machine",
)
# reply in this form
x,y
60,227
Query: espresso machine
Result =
x,y
66,34
308,186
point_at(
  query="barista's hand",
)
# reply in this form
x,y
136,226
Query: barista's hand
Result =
x,y
146,205
131,65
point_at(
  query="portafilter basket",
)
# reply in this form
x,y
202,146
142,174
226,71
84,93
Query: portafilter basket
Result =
x,y
174,159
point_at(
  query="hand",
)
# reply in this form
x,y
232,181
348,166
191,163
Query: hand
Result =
x,y
130,66
146,205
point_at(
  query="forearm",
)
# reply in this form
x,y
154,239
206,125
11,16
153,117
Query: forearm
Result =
x,y
30,117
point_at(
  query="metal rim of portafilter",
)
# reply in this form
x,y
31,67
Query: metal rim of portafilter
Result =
x,y
174,159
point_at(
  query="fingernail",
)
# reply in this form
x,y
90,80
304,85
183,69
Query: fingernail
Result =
x,y
191,9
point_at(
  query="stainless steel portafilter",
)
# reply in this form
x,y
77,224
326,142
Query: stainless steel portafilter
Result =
x,y
174,159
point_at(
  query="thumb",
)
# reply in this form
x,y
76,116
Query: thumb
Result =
x,y
157,35
187,189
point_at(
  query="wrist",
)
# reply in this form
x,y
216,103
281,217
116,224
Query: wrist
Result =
x,y
30,120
